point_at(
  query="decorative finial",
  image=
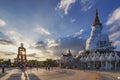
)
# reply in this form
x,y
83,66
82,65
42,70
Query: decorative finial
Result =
x,y
96,12
96,19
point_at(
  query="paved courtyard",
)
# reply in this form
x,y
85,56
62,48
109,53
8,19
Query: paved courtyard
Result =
x,y
57,74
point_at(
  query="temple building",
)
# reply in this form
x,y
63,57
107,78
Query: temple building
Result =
x,y
21,56
66,60
97,40
99,53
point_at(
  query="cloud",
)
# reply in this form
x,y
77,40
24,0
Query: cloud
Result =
x,y
13,35
64,44
113,22
8,48
52,43
54,48
72,20
8,53
86,4
65,5
2,23
114,27
114,17
40,45
31,55
117,44
5,42
42,31
3,36
114,36
79,33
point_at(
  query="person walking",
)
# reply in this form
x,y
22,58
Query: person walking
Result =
x,y
49,67
3,68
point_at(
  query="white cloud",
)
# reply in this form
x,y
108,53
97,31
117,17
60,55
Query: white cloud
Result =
x,y
113,21
114,36
55,48
41,30
52,43
86,4
65,5
72,20
114,29
13,35
7,55
2,22
78,33
117,44
8,48
114,17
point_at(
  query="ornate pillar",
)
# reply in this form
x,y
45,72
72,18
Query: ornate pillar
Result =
x,y
106,65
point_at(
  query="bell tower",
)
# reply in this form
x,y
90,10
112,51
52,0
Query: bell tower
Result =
x,y
21,57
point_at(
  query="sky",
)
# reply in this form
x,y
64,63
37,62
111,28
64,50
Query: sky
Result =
x,y
49,28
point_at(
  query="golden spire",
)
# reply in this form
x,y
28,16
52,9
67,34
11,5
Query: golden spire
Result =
x,y
96,19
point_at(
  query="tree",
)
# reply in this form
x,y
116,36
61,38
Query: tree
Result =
x,y
51,62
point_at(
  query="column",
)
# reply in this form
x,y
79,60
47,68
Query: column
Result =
x,y
106,64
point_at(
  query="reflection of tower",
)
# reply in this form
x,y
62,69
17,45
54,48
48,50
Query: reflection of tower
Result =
x,y
21,57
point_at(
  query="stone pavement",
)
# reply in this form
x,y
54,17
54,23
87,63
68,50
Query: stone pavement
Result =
x,y
68,74
14,74
56,74
109,74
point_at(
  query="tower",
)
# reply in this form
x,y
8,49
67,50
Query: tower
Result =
x,y
92,42
21,57
69,53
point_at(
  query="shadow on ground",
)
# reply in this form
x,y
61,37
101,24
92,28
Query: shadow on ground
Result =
x,y
15,77
33,77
